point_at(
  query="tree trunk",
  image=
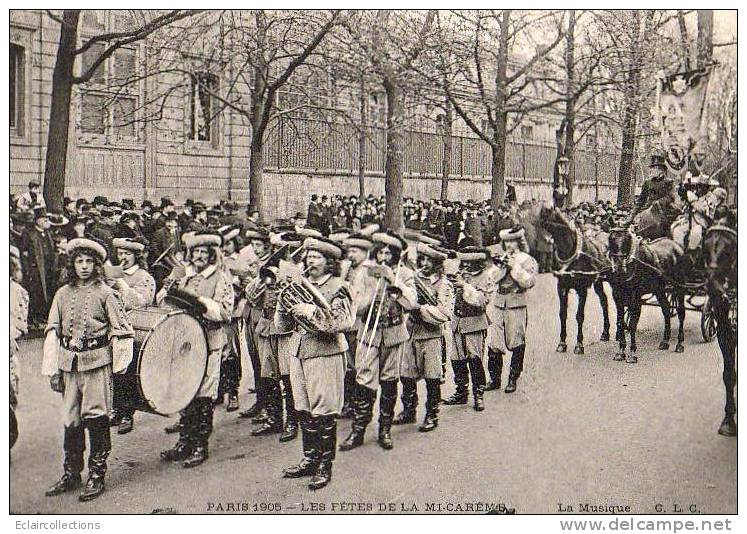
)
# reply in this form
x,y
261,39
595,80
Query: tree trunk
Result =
x,y
570,106
256,171
362,136
59,112
705,37
630,117
394,155
498,165
448,148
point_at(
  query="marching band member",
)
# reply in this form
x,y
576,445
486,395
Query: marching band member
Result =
x,y
230,366
205,278
382,340
88,336
474,289
317,363
495,345
137,288
431,315
518,274
362,288
259,241
19,309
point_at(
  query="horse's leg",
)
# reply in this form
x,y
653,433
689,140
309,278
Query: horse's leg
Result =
x,y
727,344
582,291
563,312
679,297
618,296
635,314
661,297
599,290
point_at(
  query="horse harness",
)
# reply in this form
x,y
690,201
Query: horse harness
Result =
x,y
577,254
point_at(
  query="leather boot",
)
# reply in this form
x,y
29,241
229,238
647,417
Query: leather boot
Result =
x,y
203,428
310,441
290,431
74,443
409,402
233,380
433,388
362,414
477,372
183,447
387,401
233,401
461,379
101,445
517,366
255,408
348,395
274,407
495,369
327,427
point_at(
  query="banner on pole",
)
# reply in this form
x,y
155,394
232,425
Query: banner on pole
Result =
x,y
680,106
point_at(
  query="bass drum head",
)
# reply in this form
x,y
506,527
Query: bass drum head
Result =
x,y
172,363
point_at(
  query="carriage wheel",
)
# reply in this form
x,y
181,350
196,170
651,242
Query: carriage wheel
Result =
x,y
707,321
672,300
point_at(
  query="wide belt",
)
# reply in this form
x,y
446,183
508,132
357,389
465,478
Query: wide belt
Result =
x,y
508,291
82,345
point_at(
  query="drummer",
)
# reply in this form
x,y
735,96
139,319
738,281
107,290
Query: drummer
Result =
x,y
136,287
88,336
207,280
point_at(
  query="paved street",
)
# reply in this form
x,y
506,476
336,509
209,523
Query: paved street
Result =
x,y
581,429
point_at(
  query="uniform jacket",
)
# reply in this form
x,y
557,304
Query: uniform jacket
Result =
x,y
429,320
140,288
85,312
471,302
652,191
19,309
398,300
329,340
515,281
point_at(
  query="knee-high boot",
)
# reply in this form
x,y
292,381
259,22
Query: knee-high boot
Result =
x,y
409,402
461,379
74,444
183,447
362,415
477,372
290,431
273,404
101,445
233,379
310,442
255,409
433,399
517,366
387,401
495,369
202,428
348,394
326,425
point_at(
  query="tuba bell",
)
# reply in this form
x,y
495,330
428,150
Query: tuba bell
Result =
x,y
298,290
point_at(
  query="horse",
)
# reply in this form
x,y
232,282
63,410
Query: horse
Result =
x,y
720,254
656,220
639,267
581,261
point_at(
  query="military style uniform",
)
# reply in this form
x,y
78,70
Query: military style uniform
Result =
x,y
317,369
379,352
19,309
423,359
230,367
469,331
88,336
215,290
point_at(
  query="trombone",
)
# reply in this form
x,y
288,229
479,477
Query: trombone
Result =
x,y
381,286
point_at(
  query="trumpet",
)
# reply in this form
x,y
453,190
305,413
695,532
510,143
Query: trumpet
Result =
x,y
424,294
177,268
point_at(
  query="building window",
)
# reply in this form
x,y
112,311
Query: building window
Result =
x,y
527,132
203,111
17,89
110,100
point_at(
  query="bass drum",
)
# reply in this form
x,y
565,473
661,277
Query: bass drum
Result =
x,y
170,358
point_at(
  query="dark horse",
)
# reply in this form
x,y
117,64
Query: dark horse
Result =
x,y
580,263
720,254
640,267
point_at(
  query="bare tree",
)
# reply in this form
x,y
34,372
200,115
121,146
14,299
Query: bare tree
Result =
x,y
64,78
